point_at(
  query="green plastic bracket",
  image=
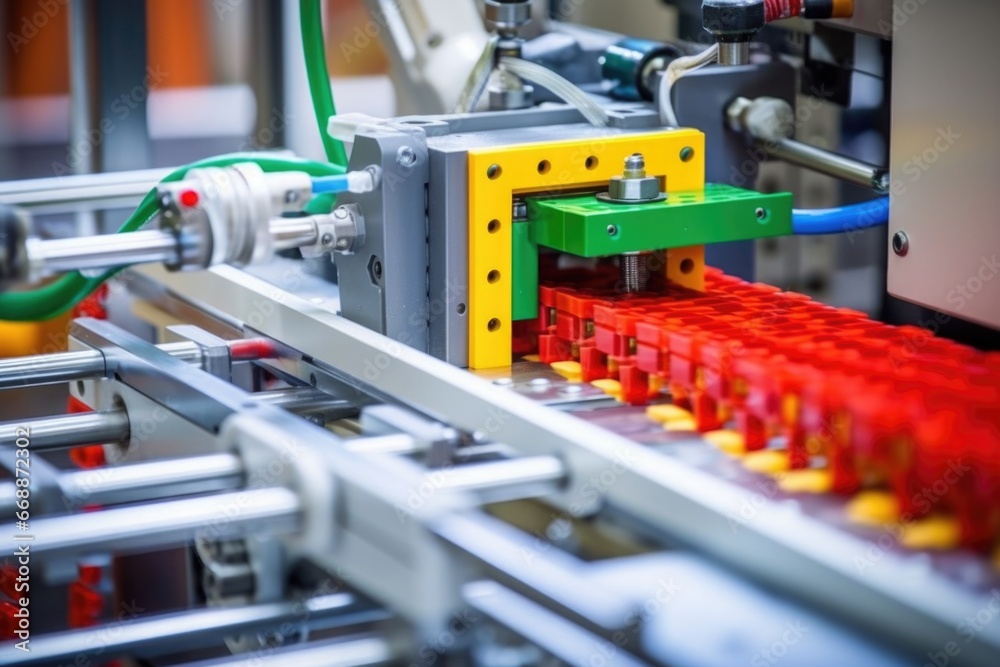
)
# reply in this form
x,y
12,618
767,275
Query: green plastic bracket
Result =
x,y
524,300
587,227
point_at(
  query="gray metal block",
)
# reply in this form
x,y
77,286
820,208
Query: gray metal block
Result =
x,y
383,285
700,101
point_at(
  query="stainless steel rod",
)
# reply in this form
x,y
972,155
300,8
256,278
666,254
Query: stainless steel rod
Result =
x,y
830,163
156,525
200,628
289,233
400,444
48,433
88,428
500,481
67,366
357,652
54,256
152,480
64,190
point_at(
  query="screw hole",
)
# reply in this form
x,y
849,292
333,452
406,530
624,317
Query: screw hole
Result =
x,y
493,172
687,265
544,166
461,309
493,227
493,325
686,154
493,277
592,162
80,387
762,214
612,230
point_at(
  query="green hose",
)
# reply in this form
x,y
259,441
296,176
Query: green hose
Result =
x,y
311,15
61,295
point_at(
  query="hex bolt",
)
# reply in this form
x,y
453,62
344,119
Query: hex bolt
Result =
x,y
900,243
635,166
405,157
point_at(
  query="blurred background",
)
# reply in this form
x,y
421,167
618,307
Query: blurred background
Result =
x,y
110,85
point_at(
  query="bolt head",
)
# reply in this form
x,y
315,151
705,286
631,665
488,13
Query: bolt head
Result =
x,y
327,239
405,156
900,243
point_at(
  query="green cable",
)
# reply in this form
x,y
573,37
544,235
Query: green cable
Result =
x,y
61,295
311,15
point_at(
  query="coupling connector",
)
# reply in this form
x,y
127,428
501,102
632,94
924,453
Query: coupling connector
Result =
x,y
230,209
341,231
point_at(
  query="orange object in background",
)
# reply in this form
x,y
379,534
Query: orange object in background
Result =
x,y
38,45
19,339
178,40
37,48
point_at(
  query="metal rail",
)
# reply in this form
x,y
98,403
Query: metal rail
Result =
x,y
790,551
164,634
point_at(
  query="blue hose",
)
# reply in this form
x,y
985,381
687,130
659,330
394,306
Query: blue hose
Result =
x,y
844,219
329,184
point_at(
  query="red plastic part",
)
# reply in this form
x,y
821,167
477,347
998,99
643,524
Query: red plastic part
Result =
x,y
877,404
251,349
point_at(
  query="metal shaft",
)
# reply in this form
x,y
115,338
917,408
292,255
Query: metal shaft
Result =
x,y
152,480
831,164
193,629
67,366
156,525
289,233
88,428
64,431
51,257
359,652
501,481
635,273
734,53
72,192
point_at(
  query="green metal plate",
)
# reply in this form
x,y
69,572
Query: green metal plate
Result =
x,y
524,298
587,227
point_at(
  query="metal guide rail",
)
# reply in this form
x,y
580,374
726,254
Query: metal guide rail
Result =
x,y
450,516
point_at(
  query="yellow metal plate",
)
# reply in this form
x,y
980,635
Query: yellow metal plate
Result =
x,y
497,175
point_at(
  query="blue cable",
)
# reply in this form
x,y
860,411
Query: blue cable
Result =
x,y
844,219
329,184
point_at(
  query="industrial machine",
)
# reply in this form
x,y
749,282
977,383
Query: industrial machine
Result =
x,y
539,413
